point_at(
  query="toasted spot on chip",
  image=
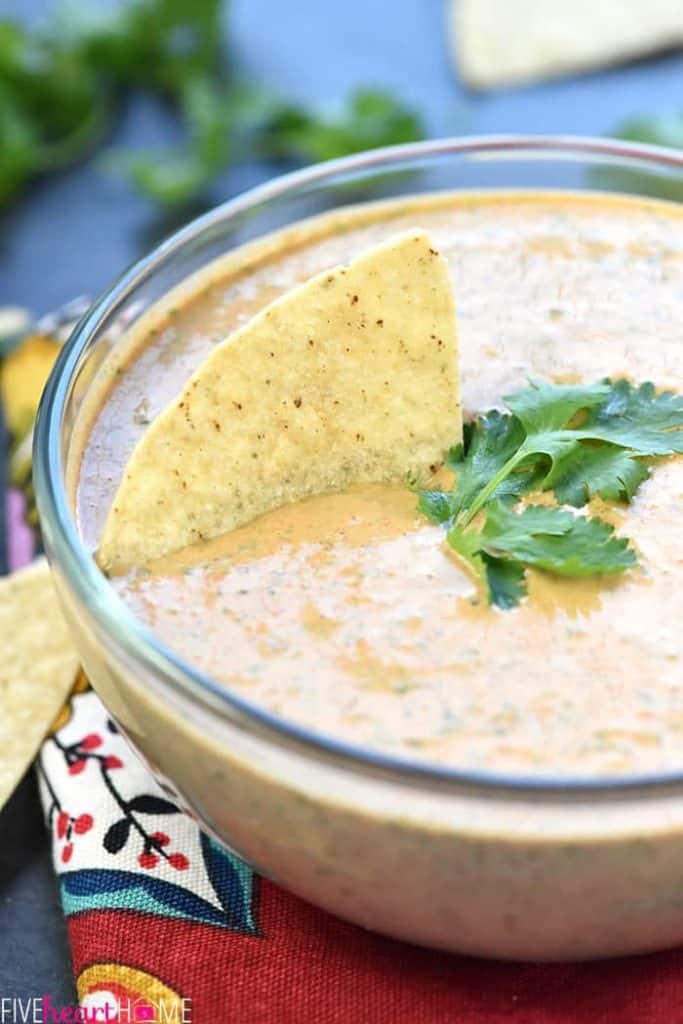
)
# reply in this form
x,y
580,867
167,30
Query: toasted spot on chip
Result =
x,y
39,666
301,396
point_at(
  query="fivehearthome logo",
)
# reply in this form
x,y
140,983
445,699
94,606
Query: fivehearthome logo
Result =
x,y
99,1007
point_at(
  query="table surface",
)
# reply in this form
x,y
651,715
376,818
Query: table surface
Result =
x,y
76,233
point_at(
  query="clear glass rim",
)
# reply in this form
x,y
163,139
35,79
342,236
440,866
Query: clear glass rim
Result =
x,y
129,635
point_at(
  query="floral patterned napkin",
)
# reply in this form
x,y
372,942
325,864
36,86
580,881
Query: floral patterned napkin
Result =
x,y
165,926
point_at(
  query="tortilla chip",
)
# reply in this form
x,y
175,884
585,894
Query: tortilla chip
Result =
x,y
350,377
500,42
22,378
39,665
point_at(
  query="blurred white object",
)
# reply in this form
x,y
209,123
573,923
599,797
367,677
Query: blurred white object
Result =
x,y
14,322
498,42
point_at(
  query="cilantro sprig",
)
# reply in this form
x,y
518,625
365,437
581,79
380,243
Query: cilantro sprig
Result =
x,y
63,85
658,129
578,441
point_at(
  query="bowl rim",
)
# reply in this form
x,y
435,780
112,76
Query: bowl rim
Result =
x,y
116,625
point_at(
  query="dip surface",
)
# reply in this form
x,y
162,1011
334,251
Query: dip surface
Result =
x,y
345,613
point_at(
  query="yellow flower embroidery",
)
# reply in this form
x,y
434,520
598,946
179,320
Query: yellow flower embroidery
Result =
x,y
140,995
81,685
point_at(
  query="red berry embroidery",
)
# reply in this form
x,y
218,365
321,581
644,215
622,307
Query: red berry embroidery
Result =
x,y
62,824
161,838
91,742
111,761
179,861
148,860
76,767
66,853
83,824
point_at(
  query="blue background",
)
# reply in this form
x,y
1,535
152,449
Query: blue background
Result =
x,y
74,234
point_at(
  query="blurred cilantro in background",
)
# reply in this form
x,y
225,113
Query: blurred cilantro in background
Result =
x,y
62,85
657,130
666,130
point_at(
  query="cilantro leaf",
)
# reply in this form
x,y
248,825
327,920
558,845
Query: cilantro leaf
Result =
x,y
540,536
545,410
160,45
176,176
597,438
467,544
609,472
555,539
543,406
664,129
491,441
634,422
52,107
488,445
638,418
505,581
660,130
371,118
436,505
634,418
542,413
62,83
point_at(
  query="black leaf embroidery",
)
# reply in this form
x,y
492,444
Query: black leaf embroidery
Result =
x,y
147,804
116,835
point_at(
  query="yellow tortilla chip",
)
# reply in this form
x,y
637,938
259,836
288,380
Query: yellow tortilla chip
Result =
x,y
500,42
350,377
39,665
22,378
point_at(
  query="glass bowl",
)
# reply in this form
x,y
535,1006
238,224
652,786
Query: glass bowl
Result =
x,y
523,868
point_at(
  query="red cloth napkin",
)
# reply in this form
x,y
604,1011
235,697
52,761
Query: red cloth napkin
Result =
x,y
165,926
306,967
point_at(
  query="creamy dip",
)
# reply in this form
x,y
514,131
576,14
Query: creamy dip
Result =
x,y
345,613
